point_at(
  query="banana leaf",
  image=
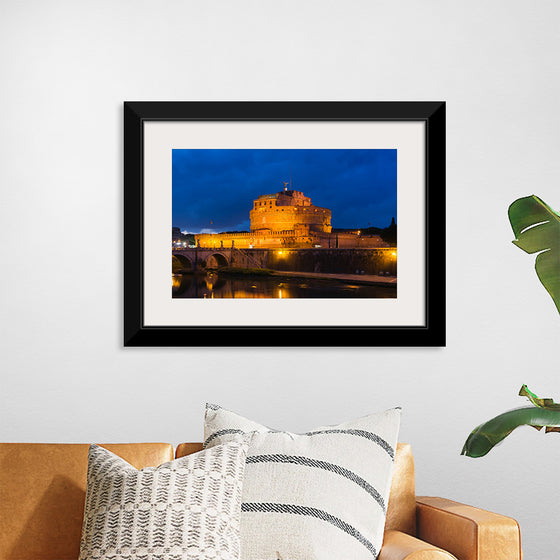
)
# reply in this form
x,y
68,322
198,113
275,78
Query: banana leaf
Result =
x,y
536,227
543,413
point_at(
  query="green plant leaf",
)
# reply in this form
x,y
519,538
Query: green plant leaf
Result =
x,y
483,438
537,401
536,227
543,413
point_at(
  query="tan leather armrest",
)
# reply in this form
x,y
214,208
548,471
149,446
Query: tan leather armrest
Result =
x,y
400,546
467,532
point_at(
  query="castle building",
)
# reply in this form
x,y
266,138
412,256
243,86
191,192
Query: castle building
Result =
x,y
289,211
288,219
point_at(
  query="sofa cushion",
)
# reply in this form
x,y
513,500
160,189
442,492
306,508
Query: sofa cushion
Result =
x,y
322,494
186,509
42,492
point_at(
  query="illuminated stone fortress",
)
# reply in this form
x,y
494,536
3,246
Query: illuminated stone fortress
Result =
x,y
288,219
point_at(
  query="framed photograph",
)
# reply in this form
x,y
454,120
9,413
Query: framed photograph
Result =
x,y
284,224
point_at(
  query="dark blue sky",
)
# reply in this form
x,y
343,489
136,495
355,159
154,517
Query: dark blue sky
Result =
x,y
213,190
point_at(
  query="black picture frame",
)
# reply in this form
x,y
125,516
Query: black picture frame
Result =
x,y
432,333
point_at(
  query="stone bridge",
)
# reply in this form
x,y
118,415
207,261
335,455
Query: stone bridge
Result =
x,y
321,260
196,258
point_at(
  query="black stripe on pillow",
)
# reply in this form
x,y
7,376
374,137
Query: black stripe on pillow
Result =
x,y
315,463
221,433
311,512
360,433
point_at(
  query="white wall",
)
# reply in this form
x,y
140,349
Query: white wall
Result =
x,y
66,68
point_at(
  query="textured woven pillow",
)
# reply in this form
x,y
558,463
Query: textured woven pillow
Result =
x,y
187,509
321,495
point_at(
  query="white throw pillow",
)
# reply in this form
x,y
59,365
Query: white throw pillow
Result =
x,y
187,509
321,495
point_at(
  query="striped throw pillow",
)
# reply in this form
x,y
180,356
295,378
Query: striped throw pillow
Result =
x,y
187,509
316,496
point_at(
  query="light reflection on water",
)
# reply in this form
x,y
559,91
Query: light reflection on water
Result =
x,y
216,286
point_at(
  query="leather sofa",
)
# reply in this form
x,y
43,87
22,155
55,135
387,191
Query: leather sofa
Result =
x,y
42,492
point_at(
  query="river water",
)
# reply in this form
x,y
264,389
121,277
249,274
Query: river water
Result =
x,y
214,285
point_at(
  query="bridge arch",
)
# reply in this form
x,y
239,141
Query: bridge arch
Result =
x,y
181,262
216,260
